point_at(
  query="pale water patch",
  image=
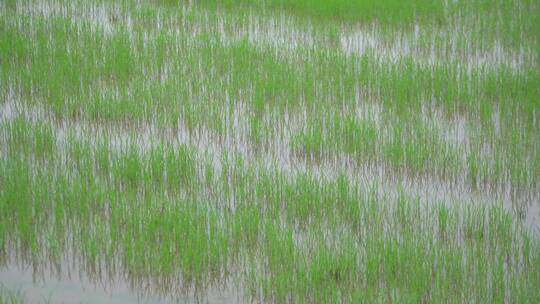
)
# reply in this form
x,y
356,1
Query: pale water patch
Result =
x,y
13,107
278,32
425,48
48,288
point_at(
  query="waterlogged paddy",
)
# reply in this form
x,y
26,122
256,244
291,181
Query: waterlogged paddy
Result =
x,y
158,152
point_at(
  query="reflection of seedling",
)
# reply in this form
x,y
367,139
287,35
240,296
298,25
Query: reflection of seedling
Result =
x,y
11,296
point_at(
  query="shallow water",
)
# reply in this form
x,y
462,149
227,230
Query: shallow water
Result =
x,y
49,288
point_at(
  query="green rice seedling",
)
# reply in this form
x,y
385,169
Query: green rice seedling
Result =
x,y
8,296
30,138
443,220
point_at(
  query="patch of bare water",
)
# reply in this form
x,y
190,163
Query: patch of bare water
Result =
x,y
47,287
424,47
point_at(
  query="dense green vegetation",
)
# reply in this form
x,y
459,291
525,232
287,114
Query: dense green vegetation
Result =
x,y
388,11
295,151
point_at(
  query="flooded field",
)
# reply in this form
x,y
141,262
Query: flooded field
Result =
x,y
280,151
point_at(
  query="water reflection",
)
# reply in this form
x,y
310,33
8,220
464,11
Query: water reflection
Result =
x,y
39,285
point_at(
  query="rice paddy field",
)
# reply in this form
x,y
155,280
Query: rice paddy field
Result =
x,y
278,151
